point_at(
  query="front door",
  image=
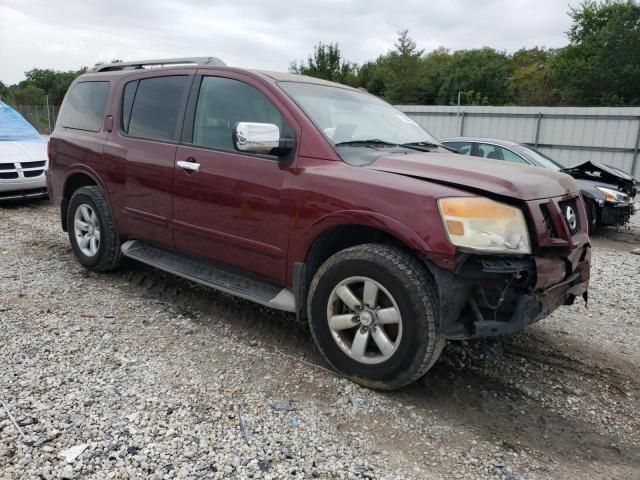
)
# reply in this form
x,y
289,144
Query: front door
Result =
x,y
234,208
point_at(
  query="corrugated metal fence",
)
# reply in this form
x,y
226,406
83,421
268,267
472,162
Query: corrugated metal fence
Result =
x,y
570,135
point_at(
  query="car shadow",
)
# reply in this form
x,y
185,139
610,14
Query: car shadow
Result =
x,y
21,203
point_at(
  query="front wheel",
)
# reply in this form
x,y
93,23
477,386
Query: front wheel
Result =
x,y
592,216
373,312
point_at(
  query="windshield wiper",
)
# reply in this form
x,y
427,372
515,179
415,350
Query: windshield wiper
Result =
x,y
370,141
419,146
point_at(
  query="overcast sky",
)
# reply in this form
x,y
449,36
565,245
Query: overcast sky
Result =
x,y
268,34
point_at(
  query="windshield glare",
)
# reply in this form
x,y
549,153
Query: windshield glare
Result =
x,y
348,116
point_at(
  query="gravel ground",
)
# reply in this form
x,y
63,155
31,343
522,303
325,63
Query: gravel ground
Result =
x,y
138,374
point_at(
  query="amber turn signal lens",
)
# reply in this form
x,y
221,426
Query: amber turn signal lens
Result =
x,y
455,227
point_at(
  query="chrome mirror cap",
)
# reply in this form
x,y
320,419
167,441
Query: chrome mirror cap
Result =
x,y
256,137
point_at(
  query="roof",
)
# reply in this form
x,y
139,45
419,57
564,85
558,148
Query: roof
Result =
x,y
497,141
109,70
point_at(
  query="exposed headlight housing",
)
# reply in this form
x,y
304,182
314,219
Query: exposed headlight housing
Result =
x,y
613,195
484,225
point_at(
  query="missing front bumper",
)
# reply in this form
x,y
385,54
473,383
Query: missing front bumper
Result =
x,y
491,297
616,214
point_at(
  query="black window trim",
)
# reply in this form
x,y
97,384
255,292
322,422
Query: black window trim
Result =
x,y
104,109
121,115
190,78
186,139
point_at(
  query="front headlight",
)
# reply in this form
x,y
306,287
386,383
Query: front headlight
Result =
x,y
484,225
613,195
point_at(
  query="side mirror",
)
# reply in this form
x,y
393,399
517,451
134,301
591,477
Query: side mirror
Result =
x,y
261,138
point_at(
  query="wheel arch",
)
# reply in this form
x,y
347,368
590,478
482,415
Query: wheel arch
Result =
x,y
338,236
76,179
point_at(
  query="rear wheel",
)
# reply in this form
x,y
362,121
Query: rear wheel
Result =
x,y
92,235
373,313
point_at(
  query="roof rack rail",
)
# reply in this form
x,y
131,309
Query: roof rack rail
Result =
x,y
160,62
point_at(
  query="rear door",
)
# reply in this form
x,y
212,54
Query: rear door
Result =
x,y
234,209
144,145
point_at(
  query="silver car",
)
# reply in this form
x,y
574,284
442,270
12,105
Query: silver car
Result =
x,y
23,157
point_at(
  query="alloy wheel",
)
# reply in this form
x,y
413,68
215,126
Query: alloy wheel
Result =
x,y
87,230
364,320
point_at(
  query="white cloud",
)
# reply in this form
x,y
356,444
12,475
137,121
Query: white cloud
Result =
x,y
68,34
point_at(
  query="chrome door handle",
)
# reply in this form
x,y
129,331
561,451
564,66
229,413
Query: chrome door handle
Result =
x,y
191,166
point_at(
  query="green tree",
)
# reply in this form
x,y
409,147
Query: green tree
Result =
x,y
371,76
403,71
327,63
54,83
29,95
4,92
601,64
532,81
436,69
483,71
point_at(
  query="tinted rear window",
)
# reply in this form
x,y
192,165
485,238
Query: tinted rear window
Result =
x,y
157,107
84,106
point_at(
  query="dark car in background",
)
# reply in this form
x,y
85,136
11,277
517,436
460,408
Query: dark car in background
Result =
x,y
608,192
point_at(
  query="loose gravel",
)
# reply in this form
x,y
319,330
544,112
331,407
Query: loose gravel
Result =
x,y
138,374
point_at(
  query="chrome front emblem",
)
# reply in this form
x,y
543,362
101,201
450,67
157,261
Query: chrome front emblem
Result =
x,y
572,220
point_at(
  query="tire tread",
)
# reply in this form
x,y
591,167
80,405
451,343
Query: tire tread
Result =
x,y
421,288
110,258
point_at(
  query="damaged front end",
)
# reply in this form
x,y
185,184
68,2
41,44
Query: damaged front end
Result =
x,y
599,172
490,295
612,190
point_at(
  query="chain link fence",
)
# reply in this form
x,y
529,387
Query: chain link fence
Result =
x,y
43,118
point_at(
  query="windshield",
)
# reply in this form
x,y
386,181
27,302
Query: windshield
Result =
x,y
353,119
14,128
540,158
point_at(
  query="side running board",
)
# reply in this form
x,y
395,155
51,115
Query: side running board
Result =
x,y
205,272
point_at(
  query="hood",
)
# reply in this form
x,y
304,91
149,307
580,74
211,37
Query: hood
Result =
x,y
11,152
596,171
474,173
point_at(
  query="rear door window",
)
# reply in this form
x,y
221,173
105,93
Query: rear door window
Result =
x,y
84,106
157,106
499,153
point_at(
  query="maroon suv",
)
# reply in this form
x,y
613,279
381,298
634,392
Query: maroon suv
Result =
x,y
313,198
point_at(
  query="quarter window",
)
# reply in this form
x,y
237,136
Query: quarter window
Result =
x,y
222,103
157,107
84,106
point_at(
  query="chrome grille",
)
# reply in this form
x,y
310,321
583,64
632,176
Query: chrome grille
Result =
x,y
12,171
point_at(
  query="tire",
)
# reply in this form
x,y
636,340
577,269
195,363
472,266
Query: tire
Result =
x,y
592,216
90,205
404,286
